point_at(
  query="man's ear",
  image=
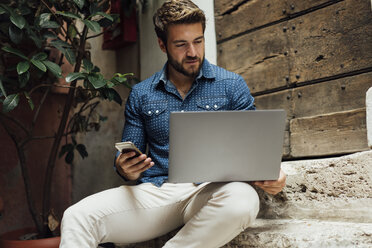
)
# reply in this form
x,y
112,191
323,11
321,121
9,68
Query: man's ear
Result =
x,y
162,45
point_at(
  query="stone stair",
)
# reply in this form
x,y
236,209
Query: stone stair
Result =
x,y
326,203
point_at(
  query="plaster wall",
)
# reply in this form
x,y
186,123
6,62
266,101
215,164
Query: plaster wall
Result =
x,y
95,173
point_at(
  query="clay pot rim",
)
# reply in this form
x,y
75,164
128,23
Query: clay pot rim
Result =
x,y
12,236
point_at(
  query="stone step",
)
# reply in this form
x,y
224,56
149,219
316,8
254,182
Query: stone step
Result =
x,y
304,233
286,233
338,189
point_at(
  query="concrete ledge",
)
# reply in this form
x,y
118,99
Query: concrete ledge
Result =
x,y
330,189
304,233
290,233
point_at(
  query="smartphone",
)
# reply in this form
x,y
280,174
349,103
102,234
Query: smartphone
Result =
x,y
127,146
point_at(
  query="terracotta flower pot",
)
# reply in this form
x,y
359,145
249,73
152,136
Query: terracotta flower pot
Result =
x,y
11,240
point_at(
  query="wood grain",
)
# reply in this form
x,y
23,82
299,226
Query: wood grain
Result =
x,y
231,20
331,134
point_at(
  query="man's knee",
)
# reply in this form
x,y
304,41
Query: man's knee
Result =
x,y
72,215
240,202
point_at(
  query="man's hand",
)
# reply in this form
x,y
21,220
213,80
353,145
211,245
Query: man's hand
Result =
x,y
131,167
272,187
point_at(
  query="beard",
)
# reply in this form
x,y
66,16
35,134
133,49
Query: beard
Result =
x,y
192,72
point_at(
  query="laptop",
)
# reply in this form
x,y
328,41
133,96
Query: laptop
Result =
x,y
224,146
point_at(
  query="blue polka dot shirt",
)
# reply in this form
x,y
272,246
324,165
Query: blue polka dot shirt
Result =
x,y
151,101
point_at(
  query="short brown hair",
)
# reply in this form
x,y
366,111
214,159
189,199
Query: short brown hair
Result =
x,y
176,12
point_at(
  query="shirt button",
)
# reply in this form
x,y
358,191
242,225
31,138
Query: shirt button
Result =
x,y
157,111
149,112
207,106
182,111
215,106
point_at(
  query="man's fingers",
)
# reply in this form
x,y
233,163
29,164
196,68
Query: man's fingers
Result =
x,y
127,160
144,167
126,156
139,167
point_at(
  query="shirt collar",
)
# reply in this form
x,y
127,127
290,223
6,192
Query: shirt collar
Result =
x,y
206,71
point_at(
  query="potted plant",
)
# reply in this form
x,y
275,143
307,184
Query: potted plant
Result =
x,y
38,39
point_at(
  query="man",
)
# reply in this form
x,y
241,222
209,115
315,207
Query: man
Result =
x,y
211,213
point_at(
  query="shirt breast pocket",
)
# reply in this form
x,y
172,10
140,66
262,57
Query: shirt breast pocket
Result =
x,y
156,118
212,103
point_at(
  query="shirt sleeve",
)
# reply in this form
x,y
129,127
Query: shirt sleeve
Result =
x,y
134,128
241,96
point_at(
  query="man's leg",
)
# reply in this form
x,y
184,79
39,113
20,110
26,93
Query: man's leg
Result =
x,y
127,214
216,215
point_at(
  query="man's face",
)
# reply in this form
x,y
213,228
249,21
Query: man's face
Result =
x,y
185,48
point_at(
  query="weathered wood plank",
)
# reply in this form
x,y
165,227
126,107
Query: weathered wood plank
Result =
x,y
330,134
256,13
258,57
333,96
327,97
279,100
331,41
223,6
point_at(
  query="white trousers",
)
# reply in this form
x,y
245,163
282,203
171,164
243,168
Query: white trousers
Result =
x,y
212,215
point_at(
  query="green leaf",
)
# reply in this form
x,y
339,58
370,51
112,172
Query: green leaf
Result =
x,y
71,31
69,157
23,79
14,51
66,148
39,65
2,10
53,67
70,56
10,102
123,75
40,56
57,43
96,69
105,15
88,66
23,66
82,150
50,34
120,79
24,10
18,20
6,8
15,34
2,88
68,14
93,7
110,84
44,21
97,81
38,42
29,100
92,25
64,48
74,76
114,95
79,3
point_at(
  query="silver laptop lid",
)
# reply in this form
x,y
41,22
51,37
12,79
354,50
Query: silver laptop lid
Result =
x,y
225,145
